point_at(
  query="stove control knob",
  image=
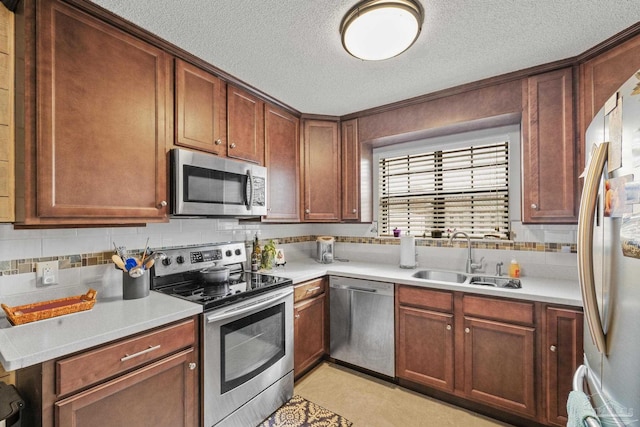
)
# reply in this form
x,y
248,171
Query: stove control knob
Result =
x,y
180,259
166,261
228,253
238,252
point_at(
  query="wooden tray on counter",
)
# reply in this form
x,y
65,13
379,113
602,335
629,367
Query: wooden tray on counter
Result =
x,y
27,313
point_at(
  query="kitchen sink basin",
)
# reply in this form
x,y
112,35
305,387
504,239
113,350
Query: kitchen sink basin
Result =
x,y
441,276
496,282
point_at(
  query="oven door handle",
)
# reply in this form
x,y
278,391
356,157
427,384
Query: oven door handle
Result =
x,y
245,308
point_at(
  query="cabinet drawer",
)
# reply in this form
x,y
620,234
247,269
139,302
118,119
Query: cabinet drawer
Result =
x,y
425,298
309,289
491,308
99,364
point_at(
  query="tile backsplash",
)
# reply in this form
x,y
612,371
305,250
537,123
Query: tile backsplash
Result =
x,y
21,249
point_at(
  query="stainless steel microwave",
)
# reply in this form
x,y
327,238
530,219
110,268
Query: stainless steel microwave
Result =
x,y
207,185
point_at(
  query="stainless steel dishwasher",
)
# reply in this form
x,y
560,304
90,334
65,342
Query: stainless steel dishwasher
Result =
x,y
362,325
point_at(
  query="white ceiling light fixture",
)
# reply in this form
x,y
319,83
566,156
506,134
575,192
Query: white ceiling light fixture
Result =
x,y
374,30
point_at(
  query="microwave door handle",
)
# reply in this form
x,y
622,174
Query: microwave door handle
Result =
x,y
586,217
250,188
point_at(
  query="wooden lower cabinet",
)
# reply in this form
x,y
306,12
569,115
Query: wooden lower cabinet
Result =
x,y
561,355
425,347
162,393
499,366
148,379
479,349
310,329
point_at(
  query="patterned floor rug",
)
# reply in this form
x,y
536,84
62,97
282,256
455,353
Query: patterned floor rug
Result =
x,y
299,412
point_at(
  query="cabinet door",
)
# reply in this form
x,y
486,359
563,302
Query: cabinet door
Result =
x,y
309,329
201,109
350,170
161,394
549,155
103,105
245,126
499,365
425,347
282,159
562,355
321,171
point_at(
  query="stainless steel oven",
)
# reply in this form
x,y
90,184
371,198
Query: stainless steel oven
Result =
x,y
248,351
246,334
207,185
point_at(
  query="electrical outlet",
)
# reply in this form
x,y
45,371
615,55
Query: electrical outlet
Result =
x,y
46,273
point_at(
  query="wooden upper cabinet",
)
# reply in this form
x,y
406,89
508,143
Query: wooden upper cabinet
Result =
x,y
102,109
350,170
282,159
321,150
549,149
245,125
201,110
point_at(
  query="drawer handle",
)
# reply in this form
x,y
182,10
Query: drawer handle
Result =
x,y
140,353
448,327
317,288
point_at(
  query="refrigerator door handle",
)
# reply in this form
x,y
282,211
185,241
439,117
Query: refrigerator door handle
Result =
x,y
586,218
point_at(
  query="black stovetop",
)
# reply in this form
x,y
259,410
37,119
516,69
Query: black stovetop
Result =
x,y
240,286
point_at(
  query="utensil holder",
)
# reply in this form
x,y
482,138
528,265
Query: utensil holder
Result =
x,y
134,288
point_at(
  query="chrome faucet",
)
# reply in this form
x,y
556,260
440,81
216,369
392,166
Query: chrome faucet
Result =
x,y
471,266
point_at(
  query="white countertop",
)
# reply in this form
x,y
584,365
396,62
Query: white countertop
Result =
x,y
563,292
113,318
109,319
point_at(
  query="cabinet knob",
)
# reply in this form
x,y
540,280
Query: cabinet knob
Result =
x,y
192,366
233,145
218,141
354,211
162,204
307,211
467,330
553,348
448,327
297,316
534,206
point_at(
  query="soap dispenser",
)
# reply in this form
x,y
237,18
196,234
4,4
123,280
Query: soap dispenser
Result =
x,y
514,269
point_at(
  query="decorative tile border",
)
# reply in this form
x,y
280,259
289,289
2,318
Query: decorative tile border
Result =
x,y
20,266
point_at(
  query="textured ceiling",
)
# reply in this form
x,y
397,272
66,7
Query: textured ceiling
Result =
x,y
291,49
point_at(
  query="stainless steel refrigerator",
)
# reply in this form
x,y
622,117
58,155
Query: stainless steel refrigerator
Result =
x,y
608,259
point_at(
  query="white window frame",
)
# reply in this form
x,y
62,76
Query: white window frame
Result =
x,y
510,133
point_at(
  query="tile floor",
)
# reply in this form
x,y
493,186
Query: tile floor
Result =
x,y
371,402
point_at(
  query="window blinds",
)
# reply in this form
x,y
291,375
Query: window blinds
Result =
x,y
466,189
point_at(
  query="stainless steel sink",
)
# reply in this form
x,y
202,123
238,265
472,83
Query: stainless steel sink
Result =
x,y
441,276
496,282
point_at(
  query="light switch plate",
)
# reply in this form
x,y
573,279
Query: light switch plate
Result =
x,y
46,273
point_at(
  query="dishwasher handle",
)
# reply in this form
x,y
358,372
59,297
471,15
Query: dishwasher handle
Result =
x,y
355,288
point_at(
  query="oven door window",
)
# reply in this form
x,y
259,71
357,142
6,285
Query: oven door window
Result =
x,y
213,186
251,345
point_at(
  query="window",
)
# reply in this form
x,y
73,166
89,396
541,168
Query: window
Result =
x,y
466,188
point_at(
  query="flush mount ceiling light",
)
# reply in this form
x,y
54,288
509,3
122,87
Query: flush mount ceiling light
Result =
x,y
380,29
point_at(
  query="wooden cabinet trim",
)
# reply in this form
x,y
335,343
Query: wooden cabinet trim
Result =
x,y
498,309
309,289
425,298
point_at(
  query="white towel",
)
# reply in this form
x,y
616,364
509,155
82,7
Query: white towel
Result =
x,y
579,409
